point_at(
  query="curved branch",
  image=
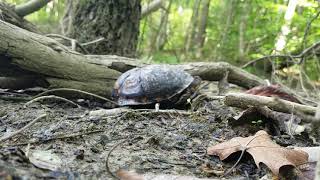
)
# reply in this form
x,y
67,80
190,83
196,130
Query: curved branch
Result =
x,y
30,7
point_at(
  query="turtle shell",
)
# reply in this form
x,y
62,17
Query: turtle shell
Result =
x,y
150,84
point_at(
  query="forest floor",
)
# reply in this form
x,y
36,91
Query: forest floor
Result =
x,y
80,143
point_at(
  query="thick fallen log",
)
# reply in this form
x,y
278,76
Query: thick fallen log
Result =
x,y
62,67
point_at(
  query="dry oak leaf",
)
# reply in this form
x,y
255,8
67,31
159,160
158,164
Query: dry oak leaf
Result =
x,y
262,149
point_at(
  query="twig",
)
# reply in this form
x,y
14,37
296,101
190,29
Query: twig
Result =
x,y
269,57
2,139
244,149
92,42
50,97
12,98
57,137
300,56
306,31
78,91
235,164
74,43
107,159
141,112
242,100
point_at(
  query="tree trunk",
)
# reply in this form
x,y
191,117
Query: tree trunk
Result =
x,y
201,34
285,29
158,37
242,29
191,31
227,19
116,21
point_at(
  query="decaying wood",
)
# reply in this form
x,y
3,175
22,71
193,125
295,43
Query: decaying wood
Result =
x,y
62,67
244,101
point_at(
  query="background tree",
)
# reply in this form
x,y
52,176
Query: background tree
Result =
x,y
115,21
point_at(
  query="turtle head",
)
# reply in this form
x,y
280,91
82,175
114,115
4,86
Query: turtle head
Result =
x,y
195,83
194,86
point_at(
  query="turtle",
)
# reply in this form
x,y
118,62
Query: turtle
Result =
x,y
165,84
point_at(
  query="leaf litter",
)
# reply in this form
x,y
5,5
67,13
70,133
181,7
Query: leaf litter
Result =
x,y
171,143
262,149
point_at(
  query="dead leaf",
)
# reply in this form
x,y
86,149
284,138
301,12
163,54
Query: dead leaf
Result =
x,y
46,160
262,149
128,175
273,90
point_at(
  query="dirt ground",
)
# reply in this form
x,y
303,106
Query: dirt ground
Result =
x,y
94,147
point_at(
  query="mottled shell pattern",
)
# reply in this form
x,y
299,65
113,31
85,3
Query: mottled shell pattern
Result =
x,y
150,84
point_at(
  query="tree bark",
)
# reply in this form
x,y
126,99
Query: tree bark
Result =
x,y
285,29
201,34
227,18
116,21
61,67
242,29
191,31
158,36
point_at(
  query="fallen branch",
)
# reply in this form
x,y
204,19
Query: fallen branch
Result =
x,y
64,68
244,101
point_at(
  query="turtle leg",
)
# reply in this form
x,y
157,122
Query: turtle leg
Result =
x,y
157,107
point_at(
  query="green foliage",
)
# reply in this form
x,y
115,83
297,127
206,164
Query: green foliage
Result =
x,y
263,22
